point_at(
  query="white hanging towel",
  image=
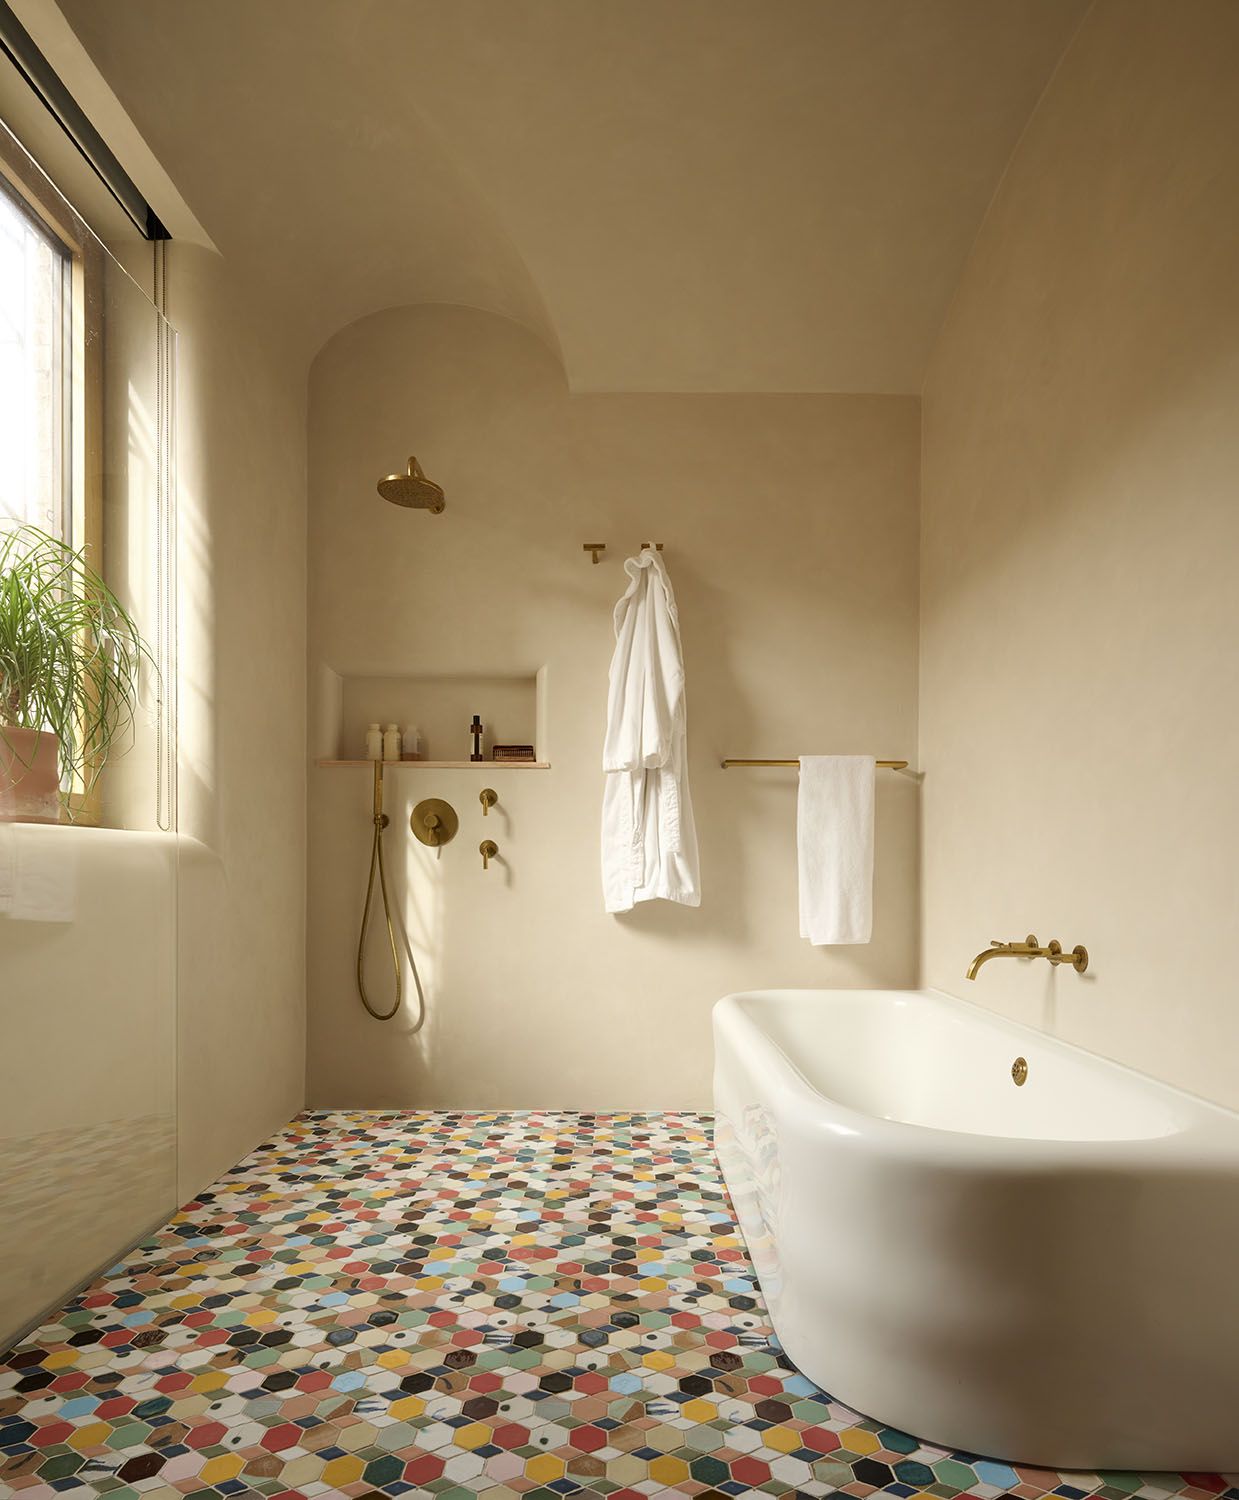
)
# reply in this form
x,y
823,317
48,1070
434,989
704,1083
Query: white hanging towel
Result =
x,y
649,841
834,843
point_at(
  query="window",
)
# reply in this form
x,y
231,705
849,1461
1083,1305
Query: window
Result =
x,y
36,370
51,376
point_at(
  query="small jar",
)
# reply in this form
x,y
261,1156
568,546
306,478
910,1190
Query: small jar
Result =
x,y
391,742
374,743
411,743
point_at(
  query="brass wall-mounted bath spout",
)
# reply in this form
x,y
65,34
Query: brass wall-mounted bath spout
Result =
x,y
1030,948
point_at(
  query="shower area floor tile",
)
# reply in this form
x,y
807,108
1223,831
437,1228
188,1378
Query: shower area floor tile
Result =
x,y
498,1304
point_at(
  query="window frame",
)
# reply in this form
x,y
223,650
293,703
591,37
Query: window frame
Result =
x,y
24,181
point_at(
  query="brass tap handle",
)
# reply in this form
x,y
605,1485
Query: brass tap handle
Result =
x,y
488,796
1077,958
431,821
487,849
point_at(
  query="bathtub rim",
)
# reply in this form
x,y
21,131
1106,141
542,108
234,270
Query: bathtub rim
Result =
x,y
1207,1138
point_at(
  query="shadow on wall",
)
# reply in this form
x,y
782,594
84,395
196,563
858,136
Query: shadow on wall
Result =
x,y
240,472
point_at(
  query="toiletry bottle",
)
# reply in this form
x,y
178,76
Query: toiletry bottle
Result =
x,y
475,729
411,743
391,743
374,743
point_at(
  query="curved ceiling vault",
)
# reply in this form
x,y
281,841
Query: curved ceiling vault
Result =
x,y
679,195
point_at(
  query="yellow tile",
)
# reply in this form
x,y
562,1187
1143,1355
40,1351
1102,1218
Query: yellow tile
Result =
x,y
393,1359
668,1470
406,1408
342,1471
94,1435
472,1436
658,1359
781,1439
700,1411
544,1467
856,1440
221,1470
61,1359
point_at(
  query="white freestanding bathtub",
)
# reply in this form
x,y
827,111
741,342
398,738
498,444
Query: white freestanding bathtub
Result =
x,y
1046,1273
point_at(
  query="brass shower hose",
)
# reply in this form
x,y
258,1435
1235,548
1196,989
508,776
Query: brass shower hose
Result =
x,y
376,863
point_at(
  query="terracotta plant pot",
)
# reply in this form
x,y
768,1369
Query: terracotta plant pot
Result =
x,y
29,776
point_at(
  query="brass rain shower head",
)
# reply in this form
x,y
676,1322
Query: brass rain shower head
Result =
x,y
412,489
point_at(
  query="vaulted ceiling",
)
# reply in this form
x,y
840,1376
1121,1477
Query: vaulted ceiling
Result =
x,y
678,195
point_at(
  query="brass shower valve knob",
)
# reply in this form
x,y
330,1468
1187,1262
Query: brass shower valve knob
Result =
x,y
488,849
434,822
488,796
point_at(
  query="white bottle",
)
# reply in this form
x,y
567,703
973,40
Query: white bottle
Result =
x,y
411,744
391,743
374,743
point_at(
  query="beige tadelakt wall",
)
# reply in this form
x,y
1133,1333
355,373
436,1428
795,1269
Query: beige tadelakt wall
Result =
x,y
159,1036
790,529
241,575
1079,714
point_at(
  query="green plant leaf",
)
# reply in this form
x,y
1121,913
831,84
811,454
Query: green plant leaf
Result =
x,y
71,655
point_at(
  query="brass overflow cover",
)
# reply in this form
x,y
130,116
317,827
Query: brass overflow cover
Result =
x,y
434,822
1019,1072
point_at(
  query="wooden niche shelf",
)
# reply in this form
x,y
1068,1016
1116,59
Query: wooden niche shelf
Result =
x,y
512,706
443,765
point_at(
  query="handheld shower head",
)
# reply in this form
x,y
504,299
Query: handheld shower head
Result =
x,y
412,489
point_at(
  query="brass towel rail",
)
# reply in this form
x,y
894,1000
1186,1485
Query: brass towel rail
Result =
x,y
886,765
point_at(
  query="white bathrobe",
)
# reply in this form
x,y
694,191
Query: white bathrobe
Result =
x,y
649,843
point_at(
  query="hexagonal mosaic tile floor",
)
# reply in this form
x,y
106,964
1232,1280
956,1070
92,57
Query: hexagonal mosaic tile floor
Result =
x,y
455,1305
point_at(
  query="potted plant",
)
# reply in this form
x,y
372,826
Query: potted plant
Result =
x,y
70,664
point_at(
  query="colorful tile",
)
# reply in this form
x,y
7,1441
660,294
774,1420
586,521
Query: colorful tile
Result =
x,y
540,1304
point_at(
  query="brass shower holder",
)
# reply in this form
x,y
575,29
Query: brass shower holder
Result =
x,y
434,822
